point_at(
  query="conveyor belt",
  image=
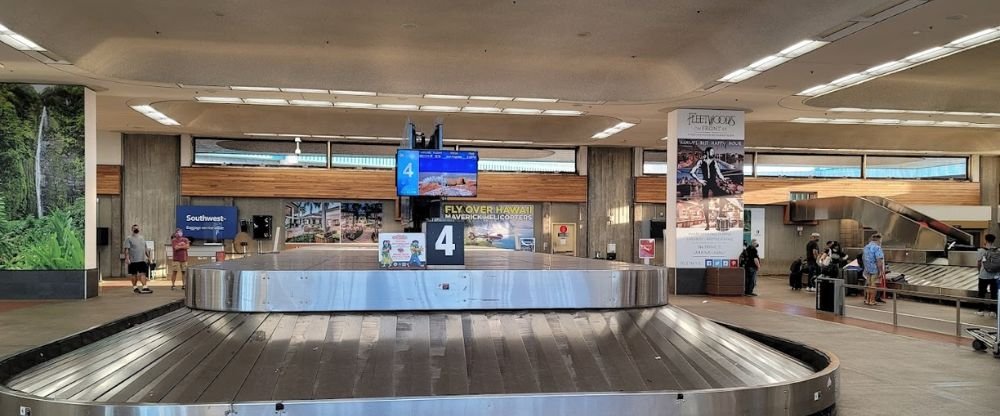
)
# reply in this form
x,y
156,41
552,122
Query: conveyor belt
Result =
x,y
190,356
938,276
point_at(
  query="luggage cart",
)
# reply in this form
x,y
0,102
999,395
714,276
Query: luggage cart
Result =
x,y
986,338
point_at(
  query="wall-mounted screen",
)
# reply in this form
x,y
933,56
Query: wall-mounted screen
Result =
x,y
436,173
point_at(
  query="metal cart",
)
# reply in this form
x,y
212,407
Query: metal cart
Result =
x,y
986,338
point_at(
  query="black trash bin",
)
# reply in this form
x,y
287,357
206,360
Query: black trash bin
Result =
x,y
828,295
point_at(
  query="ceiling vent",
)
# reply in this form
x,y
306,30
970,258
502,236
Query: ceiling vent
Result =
x,y
869,18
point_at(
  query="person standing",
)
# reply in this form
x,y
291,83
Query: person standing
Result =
x,y
812,258
180,246
752,266
987,278
874,267
137,259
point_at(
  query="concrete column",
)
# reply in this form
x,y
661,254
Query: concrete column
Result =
x,y
610,201
151,186
989,187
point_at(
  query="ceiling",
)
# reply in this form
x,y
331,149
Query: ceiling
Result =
x,y
614,63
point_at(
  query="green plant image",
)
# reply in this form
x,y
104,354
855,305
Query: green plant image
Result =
x,y
42,186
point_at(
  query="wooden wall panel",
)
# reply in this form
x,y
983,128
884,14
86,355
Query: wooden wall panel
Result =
x,y
769,191
367,184
109,180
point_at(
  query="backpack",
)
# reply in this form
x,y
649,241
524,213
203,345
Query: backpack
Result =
x,y
796,266
991,260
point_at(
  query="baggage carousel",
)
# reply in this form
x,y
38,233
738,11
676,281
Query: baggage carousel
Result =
x,y
513,334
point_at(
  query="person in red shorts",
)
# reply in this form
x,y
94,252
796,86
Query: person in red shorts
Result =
x,y
180,246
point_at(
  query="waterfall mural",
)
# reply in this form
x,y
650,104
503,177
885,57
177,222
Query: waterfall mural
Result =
x,y
41,177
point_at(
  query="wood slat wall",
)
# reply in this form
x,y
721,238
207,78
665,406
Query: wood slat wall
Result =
x,y
109,180
768,191
367,184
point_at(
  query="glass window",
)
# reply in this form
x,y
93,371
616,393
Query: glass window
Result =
x,y
503,159
251,152
748,164
654,162
363,156
808,166
915,167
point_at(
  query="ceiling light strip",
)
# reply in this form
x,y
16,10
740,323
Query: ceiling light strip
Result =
x,y
149,111
393,107
958,45
611,131
925,112
18,41
894,122
756,68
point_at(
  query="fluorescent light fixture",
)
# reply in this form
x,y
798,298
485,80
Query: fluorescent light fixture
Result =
x,y
768,62
962,113
524,111
517,142
311,103
327,136
440,108
848,110
975,39
739,75
353,105
18,41
927,112
265,101
293,135
880,121
399,107
958,45
349,92
608,132
664,138
481,110
390,138
220,100
386,94
260,89
882,110
759,66
259,134
149,111
490,98
361,137
457,141
536,100
562,113
305,90
446,96
487,141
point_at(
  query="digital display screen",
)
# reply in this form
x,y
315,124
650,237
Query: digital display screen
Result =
x,y
436,173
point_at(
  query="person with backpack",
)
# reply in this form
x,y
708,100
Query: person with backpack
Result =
x,y
989,272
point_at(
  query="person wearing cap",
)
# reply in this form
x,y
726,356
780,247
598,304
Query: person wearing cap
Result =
x,y
752,266
812,258
874,267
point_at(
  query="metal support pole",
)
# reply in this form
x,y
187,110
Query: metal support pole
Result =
x,y
958,318
895,316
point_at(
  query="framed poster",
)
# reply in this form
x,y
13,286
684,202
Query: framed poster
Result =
x,y
402,251
647,248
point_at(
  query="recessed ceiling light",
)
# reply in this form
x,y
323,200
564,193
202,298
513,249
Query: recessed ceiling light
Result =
x,y
305,90
353,105
17,41
517,142
156,115
399,107
759,66
439,108
664,138
327,136
261,89
928,123
293,135
265,101
361,137
562,113
490,98
446,96
220,100
386,94
481,110
536,100
487,141
525,111
311,103
349,92
610,131
390,138
457,141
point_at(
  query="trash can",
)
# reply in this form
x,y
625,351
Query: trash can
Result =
x,y
828,295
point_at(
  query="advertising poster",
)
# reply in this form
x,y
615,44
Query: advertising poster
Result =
x,y
402,251
647,248
436,173
42,190
708,194
332,222
494,225
527,244
209,222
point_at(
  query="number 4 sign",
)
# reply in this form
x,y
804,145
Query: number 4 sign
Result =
x,y
448,247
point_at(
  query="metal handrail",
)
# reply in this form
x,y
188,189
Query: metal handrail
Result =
x,y
895,314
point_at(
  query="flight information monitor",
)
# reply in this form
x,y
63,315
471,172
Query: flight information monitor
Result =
x,y
436,172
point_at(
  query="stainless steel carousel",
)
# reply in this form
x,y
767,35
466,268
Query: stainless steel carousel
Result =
x,y
320,332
